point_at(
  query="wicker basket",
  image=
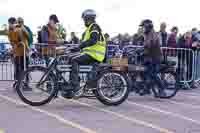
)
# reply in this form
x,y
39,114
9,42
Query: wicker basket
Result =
x,y
60,50
119,64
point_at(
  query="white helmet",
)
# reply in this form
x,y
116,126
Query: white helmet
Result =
x,y
89,13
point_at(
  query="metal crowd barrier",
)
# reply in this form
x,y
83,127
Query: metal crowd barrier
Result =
x,y
184,59
6,63
196,64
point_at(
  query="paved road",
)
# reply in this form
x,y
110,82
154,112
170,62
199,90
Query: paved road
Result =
x,y
139,114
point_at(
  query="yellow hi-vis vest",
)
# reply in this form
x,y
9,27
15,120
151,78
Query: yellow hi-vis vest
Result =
x,y
96,51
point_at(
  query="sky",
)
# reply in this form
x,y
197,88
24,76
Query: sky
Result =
x,y
114,16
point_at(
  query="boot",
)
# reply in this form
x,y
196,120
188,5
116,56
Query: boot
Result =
x,y
144,92
71,91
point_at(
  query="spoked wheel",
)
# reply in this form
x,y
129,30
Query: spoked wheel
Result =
x,y
112,88
36,89
14,85
170,85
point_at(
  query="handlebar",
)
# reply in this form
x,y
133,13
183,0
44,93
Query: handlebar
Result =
x,y
70,49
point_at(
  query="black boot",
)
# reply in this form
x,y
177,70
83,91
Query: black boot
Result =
x,y
71,91
144,92
67,92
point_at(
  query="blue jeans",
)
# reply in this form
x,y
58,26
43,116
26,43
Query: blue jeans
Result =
x,y
151,75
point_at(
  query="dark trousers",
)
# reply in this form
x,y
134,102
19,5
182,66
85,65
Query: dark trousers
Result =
x,y
151,75
19,66
76,60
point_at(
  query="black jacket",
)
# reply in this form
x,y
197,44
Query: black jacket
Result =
x,y
152,49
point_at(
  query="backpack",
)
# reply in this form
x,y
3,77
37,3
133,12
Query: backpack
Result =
x,y
43,35
30,39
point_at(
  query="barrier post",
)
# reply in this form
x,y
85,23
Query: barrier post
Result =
x,y
196,72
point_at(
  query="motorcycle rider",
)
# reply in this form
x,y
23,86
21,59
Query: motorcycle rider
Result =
x,y
93,49
153,56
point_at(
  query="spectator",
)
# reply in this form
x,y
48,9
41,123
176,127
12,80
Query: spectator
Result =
x,y
74,39
52,28
152,57
119,39
138,38
185,41
115,40
49,35
194,30
185,56
163,35
125,40
18,37
43,34
107,36
195,35
108,39
172,40
20,22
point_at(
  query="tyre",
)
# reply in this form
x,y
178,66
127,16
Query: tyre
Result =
x,y
14,85
32,93
170,82
112,88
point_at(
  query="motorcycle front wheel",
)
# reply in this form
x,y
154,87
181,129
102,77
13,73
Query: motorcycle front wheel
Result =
x,y
34,88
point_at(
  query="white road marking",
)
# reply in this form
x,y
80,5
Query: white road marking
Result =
x,y
190,94
194,94
128,118
194,97
57,117
186,105
3,89
165,112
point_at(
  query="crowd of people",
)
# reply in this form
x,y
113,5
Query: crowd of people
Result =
x,y
173,39
54,32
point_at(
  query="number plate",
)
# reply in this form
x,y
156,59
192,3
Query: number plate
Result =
x,y
139,68
136,68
